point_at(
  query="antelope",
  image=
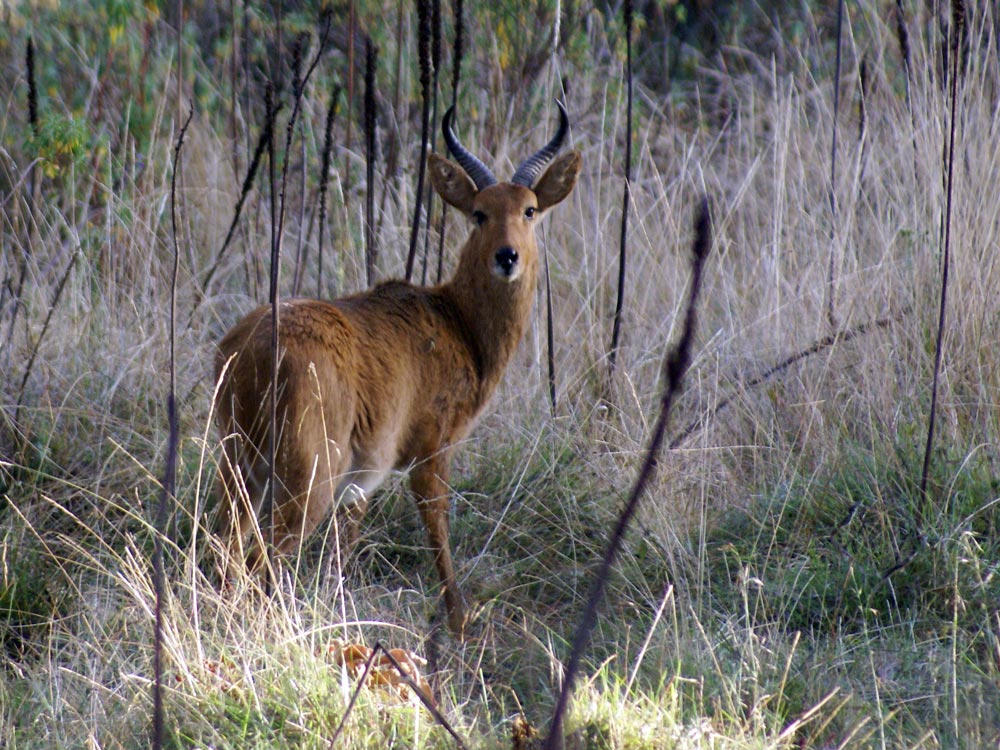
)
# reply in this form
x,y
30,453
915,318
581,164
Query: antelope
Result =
x,y
390,378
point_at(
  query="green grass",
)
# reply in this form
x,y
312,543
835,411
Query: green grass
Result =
x,y
812,560
751,606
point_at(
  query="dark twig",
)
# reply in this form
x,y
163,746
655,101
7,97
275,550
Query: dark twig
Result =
x,y
267,511
675,367
277,234
393,178
550,336
435,71
831,275
298,46
326,16
324,181
169,474
298,90
435,40
456,75
371,250
424,55
958,21
626,194
457,48
352,28
29,64
234,67
550,339
903,36
904,50
863,91
170,470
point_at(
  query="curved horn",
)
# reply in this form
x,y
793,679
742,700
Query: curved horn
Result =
x,y
527,173
479,172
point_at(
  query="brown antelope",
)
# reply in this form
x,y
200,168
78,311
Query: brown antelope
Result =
x,y
391,378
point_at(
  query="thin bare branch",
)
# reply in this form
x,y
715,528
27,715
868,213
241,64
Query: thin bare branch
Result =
x,y
626,195
675,366
170,469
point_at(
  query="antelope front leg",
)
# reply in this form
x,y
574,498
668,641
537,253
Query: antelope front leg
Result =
x,y
429,485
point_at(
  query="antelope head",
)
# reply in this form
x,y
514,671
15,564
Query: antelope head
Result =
x,y
498,266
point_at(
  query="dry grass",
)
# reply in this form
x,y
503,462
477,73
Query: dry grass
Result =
x,y
748,611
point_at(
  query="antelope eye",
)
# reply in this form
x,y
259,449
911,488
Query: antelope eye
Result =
x,y
529,213
479,217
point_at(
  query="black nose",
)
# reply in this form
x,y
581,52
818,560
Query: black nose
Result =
x,y
506,259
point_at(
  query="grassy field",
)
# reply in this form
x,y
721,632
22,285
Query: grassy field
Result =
x,y
787,583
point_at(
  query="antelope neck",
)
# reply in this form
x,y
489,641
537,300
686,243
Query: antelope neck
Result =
x,y
493,316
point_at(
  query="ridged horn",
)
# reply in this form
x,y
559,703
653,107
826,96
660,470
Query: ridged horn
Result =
x,y
528,172
479,172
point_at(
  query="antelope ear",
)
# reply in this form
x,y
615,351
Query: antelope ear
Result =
x,y
452,183
559,180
